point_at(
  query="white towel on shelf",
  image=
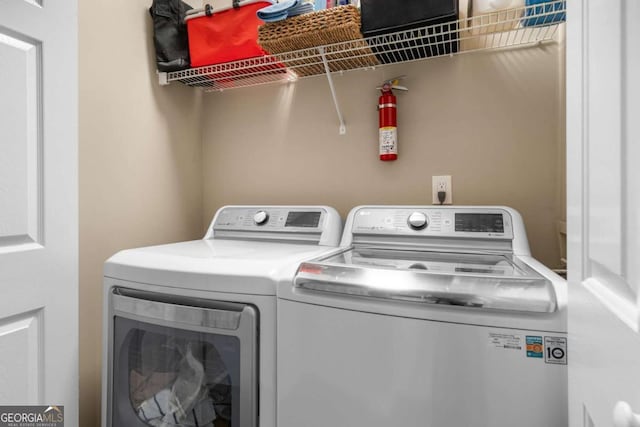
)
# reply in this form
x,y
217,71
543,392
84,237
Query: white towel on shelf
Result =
x,y
300,9
284,10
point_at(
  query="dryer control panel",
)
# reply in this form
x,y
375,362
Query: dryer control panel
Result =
x,y
269,218
315,224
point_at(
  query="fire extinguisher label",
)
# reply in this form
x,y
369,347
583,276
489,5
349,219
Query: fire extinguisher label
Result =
x,y
388,140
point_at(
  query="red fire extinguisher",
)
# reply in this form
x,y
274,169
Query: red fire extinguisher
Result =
x,y
388,124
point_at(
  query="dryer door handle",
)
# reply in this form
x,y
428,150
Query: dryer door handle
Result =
x,y
172,313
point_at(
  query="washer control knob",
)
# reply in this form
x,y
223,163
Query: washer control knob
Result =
x,y
260,218
418,221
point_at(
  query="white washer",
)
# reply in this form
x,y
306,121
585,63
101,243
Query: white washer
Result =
x,y
190,328
427,317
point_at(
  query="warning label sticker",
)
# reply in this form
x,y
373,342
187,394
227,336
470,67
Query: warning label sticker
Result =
x,y
388,138
555,350
506,341
534,346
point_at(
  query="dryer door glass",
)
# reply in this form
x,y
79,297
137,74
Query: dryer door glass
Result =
x,y
172,372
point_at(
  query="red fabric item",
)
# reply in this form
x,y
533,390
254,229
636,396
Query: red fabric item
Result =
x,y
225,36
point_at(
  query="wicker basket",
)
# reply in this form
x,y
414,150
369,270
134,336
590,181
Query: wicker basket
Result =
x,y
292,36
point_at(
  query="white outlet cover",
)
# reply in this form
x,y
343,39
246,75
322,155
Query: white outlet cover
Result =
x,y
438,182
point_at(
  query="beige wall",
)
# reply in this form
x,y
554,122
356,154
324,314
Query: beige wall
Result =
x,y
491,120
140,162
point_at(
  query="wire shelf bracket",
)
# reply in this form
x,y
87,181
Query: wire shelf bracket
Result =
x,y
343,127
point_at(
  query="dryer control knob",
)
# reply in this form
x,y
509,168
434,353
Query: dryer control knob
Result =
x,y
418,221
260,217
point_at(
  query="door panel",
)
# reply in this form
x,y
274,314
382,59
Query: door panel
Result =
x,y
603,124
20,186
631,154
21,354
603,368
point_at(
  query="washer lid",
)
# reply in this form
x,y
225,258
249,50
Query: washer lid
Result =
x,y
243,267
483,280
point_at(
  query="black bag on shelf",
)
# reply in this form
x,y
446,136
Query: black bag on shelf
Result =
x,y
380,17
170,34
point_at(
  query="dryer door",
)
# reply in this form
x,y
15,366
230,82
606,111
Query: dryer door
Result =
x,y
178,361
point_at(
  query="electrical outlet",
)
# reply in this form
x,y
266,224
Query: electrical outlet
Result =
x,y
441,183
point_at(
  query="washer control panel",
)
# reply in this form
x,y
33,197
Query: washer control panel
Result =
x,y
270,219
469,222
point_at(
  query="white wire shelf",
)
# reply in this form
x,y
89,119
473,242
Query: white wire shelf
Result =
x,y
503,29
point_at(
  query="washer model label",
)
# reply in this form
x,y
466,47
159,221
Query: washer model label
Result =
x,y
555,350
505,341
534,347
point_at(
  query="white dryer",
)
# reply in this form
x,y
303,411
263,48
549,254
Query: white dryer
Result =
x,y
427,317
190,328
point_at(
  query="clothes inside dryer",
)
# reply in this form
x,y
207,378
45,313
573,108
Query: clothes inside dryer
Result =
x,y
175,377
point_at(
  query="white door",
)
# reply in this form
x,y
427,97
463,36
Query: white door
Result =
x,y
603,143
38,204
